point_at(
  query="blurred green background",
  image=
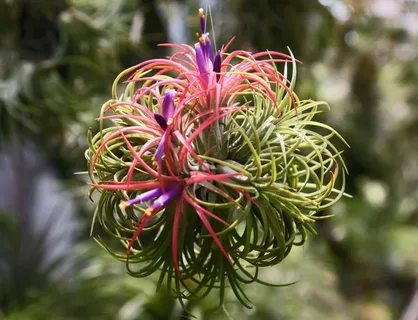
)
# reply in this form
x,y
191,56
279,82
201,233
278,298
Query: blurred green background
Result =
x,y
57,62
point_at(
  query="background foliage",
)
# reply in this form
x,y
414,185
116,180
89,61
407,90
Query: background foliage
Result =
x,y
57,62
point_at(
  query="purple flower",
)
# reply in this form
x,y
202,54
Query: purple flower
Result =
x,y
168,105
171,192
167,110
202,20
204,56
146,196
217,65
204,53
159,152
164,120
163,198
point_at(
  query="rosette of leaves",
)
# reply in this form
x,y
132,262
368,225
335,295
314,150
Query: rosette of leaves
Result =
x,y
211,167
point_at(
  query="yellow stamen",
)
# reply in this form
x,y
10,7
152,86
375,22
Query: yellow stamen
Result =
x,y
201,13
124,205
148,211
201,38
169,121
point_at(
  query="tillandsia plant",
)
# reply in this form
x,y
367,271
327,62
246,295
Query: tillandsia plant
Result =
x,y
212,167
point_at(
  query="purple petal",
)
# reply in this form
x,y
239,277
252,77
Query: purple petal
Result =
x,y
158,155
171,192
217,65
201,62
200,58
146,196
161,121
202,20
207,47
168,104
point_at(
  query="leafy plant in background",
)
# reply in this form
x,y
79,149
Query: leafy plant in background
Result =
x,y
211,167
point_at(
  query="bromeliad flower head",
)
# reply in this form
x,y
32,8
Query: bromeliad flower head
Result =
x,y
212,165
